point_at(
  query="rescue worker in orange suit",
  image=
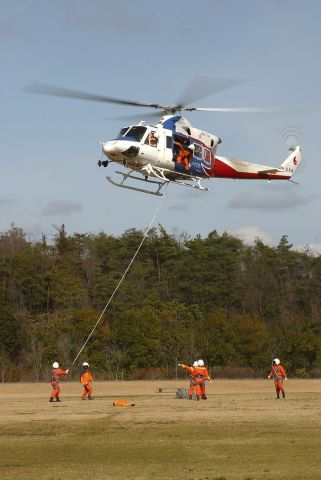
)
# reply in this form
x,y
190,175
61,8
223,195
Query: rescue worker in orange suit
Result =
x,y
184,155
202,375
86,380
56,374
193,384
278,374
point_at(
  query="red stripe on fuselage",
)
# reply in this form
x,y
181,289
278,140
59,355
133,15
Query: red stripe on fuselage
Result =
x,y
222,170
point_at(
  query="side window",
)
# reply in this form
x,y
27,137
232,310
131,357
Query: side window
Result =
x,y
207,156
169,142
198,151
151,139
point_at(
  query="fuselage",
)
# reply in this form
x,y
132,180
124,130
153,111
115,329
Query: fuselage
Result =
x,y
178,148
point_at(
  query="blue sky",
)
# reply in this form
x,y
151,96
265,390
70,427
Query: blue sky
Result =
x,y
150,51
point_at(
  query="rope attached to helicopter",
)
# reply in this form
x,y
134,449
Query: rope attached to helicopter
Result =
x,y
124,275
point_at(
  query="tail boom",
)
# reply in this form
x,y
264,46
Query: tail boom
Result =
x,y
225,167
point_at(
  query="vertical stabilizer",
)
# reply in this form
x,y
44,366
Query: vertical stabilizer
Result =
x,y
293,161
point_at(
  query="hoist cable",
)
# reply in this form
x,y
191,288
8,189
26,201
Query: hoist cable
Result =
x,y
124,274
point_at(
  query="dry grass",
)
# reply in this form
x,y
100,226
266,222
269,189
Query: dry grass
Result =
x,y
241,432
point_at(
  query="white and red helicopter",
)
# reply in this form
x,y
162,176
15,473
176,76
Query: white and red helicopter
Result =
x,y
172,150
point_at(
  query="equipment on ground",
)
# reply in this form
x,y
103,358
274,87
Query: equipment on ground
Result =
x,y
181,393
172,150
123,403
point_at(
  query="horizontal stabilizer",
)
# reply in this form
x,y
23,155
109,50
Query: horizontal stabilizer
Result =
x,y
270,170
289,165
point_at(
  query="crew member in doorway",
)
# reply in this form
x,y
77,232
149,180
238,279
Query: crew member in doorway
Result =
x,y
56,374
184,155
279,375
86,380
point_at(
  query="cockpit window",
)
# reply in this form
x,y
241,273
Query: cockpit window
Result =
x,y
136,133
123,131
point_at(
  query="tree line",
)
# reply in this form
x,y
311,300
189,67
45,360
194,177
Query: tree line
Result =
x,y
237,306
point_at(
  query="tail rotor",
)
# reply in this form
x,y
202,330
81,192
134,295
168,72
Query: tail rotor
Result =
x,y
291,137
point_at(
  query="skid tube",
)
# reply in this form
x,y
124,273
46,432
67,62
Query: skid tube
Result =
x,y
121,184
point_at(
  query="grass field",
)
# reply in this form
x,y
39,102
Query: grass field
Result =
x,y
241,432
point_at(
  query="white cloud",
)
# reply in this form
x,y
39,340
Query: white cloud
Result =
x,y
32,230
271,201
61,207
313,247
251,233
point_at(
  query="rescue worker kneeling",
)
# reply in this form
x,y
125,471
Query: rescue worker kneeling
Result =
x,y
55,381
86,380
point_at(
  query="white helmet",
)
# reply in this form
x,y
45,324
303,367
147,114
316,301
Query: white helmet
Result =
x,y
85,364
195,364
201,363
276,361
55,365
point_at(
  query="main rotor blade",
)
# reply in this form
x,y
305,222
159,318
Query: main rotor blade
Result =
x,y
257,109
202,87
140,117
44,89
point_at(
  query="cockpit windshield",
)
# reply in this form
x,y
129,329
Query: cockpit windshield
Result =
x,y
136,133
122,132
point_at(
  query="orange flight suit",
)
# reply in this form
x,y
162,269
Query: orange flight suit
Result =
x,y
278,374
55,382
204,372
86,380
184,156
192,383
201,374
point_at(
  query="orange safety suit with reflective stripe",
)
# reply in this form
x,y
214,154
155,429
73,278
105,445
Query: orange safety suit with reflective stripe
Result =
x,y
193,386
55,381
86,380
278,374
201,375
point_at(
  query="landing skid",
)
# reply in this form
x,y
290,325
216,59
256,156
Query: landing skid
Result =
x,y
121,184
163,175
177,177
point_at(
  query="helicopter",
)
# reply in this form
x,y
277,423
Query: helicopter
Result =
x,y
172,150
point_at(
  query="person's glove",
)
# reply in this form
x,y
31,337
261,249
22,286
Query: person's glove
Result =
x,y
286,378
67,371
269,377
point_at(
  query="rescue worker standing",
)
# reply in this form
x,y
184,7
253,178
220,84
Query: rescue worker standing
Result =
x,y
86,380
56,373
201,376
193,383
278,374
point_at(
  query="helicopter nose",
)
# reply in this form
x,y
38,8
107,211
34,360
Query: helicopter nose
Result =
x,y
111,148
